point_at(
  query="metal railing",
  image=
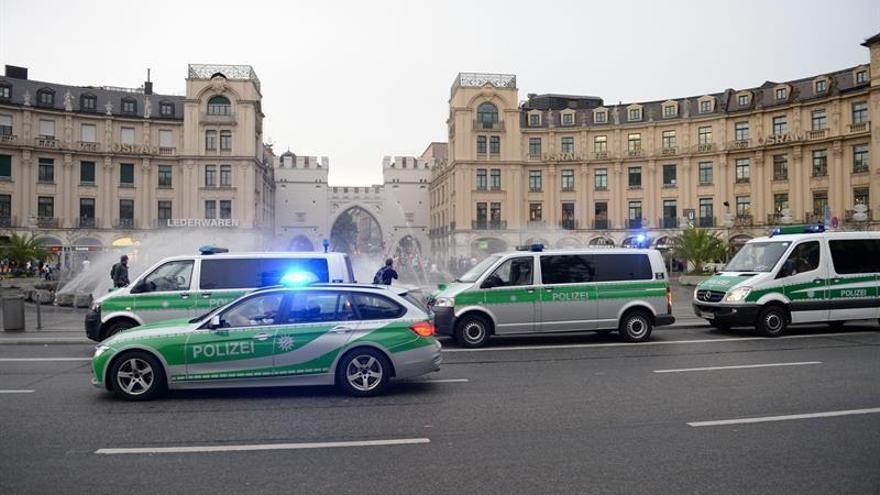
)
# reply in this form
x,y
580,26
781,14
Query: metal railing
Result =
x,y
600,155
47,222
601,224
706,221
634,152
848,215
87,146
488,224
568,224
744,221
668,222
635,223
87,222
124,223
669,150
489,126
8,222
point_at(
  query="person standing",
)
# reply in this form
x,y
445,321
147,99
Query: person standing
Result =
x,y
119,272
385,274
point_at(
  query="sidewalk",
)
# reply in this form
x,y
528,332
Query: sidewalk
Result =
x,y
60,325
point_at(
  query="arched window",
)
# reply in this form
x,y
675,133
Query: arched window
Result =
x,y
487,115
219,105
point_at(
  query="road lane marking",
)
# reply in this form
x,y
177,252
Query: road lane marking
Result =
x,y
265,446
439,380
43,359
16,391
738,367
653,342
766,419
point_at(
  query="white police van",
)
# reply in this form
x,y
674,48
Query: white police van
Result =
x,y
186,286
797,274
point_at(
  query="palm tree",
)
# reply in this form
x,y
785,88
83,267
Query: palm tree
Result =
x,y
22,249
698,247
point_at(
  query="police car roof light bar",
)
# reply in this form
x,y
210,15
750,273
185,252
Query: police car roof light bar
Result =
x,y
536,248
798,229
209,249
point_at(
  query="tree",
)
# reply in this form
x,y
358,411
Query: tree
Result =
x,y
698,247
22,249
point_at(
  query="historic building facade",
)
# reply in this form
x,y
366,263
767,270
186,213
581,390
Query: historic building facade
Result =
x,y
573,171
87,167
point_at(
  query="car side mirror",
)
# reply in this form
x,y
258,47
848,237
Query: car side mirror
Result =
x,y
214,323
490,282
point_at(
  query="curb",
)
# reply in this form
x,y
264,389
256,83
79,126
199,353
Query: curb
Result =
x,y
46,340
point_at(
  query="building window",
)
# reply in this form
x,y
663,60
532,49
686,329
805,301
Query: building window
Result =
x,y
568,119
705,172
126,174
781,93
568,144
668,138
860,112
862,196
86,172
821,86
164,212
166,109
861,77
600,117
225,209
820,202
495,179
741,131
88,133
481,145
634,143
820,163
6,208
210,209
634,114
211,140
6,167
166,139
600,144
46,98
47,129
568,222
635,212
600,180
226,140
743,172
669,111
46,170
495,214
481,179
219,105
494,145
819,119
534,120
211,176
46,207
742,100
536,212
780,202
487,115
5,125
88,103
126,135
126,212
567,180
535,181
5,91
780,167
164,175
704,135
482,215
780,125
635,177
705,106
669,173
600,212
707,211
129,106
534,147
860,158
670,214
87,212
743,206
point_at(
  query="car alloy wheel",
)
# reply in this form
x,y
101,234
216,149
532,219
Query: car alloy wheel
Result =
x,y
135,376
364,373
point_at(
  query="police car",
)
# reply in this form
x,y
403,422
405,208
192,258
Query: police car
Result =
x,y
797,274
354,336
536,291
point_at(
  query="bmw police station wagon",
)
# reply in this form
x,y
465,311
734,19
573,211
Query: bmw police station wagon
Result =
x,y
537,291
798,274
354,336
185,286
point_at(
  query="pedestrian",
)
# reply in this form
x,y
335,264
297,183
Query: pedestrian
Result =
x,y
385,274
119,272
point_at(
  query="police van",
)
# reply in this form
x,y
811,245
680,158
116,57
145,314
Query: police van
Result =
x,y
186,286
537,291
797,274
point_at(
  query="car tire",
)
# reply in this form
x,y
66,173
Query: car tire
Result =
x,y
137,376
118,326
363,372
635,326
472,331
772,321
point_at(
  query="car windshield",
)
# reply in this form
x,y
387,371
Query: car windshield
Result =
x,y
474,273
757,257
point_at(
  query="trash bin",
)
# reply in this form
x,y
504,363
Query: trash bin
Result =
x,y
13,313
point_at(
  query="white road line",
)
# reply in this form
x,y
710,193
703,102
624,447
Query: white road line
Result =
x,y
43,359
653,342
738,367
766,419
16,391
439,380
265,446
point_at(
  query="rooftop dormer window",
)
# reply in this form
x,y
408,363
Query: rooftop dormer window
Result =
x,y
743,99
707,104
600,116
534,120
821,86
46,98
568,118
166,109
5,91
781,94
861,76
88,103
129,106
487,115
670,110
219,105
634,114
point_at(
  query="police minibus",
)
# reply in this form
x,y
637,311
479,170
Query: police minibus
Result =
x,y
186,286
797,274
536,291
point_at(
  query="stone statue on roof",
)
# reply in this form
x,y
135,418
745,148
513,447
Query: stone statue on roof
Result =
x,y
27,98
109,108
68,102
148,108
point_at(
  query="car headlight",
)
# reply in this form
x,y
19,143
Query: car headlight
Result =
x,y
95,306
101,349
738,294
444,302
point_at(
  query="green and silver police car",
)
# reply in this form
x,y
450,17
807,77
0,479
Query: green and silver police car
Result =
x,y
353,336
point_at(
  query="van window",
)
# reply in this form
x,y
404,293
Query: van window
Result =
x,y
373,307
248,273
172,276
855,256
804,257
258,310
567,269
513,272
613,267
318,307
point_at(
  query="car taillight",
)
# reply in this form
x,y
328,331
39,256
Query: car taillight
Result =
x,y
423,329
669,300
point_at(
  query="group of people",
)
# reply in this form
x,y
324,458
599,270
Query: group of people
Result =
x,y
37,268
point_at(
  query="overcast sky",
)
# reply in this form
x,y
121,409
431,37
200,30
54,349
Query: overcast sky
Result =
x,y
359,80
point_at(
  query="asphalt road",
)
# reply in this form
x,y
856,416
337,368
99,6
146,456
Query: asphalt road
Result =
x,y
577,414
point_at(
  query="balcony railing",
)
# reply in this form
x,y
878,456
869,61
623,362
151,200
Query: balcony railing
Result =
x,y
8,138
744,221
488,224
161,223
46,142
860,127
668,222
87,146
860,167
706,222
817,134
87,222
218,118
489,126
7,222
634,152
601,224
821,171
741,144
774,218
167,150
536,224
705,147
635,223
848,215
568,224
124,223
47,223
669,150
814,217
600,155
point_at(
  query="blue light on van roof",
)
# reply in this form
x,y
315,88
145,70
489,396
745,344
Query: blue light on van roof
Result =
x,y
640,239
798,229
298,279
209,249
537,248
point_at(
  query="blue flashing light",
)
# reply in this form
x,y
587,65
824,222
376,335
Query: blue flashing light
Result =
x,y
326,244
209,249
640,239
298,279
798,229
535,248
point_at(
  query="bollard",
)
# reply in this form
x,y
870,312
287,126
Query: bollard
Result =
x,y
39,318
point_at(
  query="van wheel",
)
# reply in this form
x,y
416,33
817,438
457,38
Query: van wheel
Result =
x,y
118,326
635,326
772,321
472,331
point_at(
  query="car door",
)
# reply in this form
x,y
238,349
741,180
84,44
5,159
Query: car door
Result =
x,y
852,291
804,277
568,296
165,293
318,325
511,295
242,344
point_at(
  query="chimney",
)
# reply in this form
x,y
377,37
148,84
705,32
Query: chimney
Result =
x,y
148,85
16,72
